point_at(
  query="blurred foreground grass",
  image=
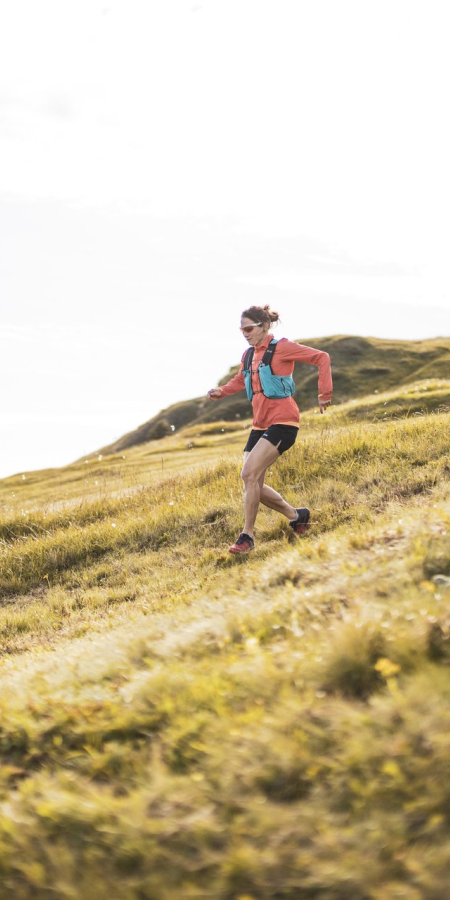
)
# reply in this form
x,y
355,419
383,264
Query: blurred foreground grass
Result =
x,y
177,723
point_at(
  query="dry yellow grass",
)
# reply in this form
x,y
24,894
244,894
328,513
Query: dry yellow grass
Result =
x,y
176,723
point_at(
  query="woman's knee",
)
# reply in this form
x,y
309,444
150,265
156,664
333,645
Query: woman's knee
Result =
x,y
249,476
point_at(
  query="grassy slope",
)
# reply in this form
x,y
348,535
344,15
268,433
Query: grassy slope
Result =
x,y
98,477
177,723
360,367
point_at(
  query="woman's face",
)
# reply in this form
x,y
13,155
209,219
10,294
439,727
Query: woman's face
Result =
x,y
253,332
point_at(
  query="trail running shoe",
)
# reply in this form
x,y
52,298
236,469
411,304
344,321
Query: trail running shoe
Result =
x,y
300,524
243,544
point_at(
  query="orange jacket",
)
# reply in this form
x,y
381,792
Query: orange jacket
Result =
x,y
284,411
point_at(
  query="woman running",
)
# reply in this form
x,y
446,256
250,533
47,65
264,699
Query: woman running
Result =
x,y
266,374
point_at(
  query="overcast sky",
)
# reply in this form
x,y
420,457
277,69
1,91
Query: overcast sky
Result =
x,y
166,163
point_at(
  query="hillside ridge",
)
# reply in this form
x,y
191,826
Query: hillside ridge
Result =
x,y
360,365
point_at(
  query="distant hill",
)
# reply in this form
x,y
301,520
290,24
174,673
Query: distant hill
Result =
x,y
361,366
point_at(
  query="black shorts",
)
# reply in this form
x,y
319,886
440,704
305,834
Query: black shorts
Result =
x,y
281,436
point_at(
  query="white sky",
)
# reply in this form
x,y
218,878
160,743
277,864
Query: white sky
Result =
x,y
166,163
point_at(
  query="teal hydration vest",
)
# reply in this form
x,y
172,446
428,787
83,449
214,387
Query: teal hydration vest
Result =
x,y
273,386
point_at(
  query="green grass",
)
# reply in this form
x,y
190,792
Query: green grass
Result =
x,y
177,723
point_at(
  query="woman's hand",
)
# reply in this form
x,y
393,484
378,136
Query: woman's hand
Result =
x,y
214,394
323,405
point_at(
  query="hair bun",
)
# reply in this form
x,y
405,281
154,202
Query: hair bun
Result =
x,y
261,314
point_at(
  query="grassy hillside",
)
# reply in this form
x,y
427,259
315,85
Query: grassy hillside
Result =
x,y
178,723
361,366
99,477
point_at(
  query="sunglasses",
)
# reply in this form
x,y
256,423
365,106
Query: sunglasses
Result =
x,y
248,328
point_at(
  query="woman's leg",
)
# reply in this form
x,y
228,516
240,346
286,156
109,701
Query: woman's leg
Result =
x,y
274,500
255,491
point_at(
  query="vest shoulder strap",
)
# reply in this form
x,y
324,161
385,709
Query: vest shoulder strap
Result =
x,y
267,358
248,358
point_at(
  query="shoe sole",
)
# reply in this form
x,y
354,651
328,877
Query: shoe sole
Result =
x,y
302,527
240,552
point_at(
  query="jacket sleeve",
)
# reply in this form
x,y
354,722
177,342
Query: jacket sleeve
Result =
x,y
235,384
289,350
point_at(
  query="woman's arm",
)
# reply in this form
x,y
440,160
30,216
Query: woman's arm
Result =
x,y
232,386
290,351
